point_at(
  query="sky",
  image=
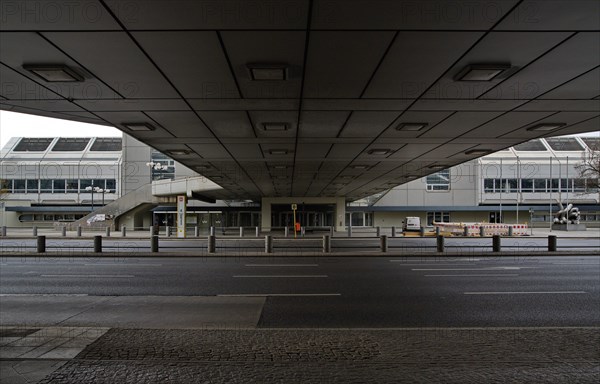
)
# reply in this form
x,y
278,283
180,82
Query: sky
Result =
x,y
14,124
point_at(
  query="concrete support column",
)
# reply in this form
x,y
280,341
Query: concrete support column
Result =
x,y
340,214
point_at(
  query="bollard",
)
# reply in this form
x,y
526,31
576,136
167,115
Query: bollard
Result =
x,y
286,231
384,243
34,230
168,231
257,231
196,231
97,244
302,231
440,243
64,231
41,244
79,231
394,231
123,231
349,231
481,231
326,243
212,231
510,231
496,243
4,230
268,244
378,231
212,244
466,231
241,231
422,231
552,243
107,231
154,243
331,230
437,231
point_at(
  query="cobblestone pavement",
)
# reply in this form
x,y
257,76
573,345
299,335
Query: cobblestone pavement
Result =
x,y
495,355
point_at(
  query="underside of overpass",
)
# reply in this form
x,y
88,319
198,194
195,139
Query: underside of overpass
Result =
x,y
328,99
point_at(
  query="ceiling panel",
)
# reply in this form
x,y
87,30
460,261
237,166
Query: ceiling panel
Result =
x,y
193,61
415,60
411,151
312,151
244,152
181,123
504,124
560,65
275,48
368,124
562,117
118,118
322,124
335,70
346,151
430,117
458,124
585,86
557,15
211,152
228,124
115,60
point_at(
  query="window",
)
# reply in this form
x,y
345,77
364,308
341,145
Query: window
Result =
x,y
111,185
554,185
84,183
6,185
439,181
579,185
566,185
19,186
488,185
539,185
533,145
593,143
107,144
71,144
527,185
166,169
564,144
59,186
32,186
72,186
512,185
46,186
28,144
438,217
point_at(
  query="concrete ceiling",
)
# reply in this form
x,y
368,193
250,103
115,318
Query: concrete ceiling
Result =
x,y
356,70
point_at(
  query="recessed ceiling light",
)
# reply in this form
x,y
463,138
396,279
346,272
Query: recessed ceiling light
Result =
x,y
54,73
437,166
278,151
178,152
478,152
202,167
138,126
411,176
378,151
481,72
268,72
280,167
275,127
360,166
545,127
411,126
346,177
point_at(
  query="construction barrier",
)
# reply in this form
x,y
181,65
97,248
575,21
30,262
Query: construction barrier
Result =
x,y
477,229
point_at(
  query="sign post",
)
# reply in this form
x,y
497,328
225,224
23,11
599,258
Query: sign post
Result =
x,y
181,211
294,208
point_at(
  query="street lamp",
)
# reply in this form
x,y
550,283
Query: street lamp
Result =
x,y
94,189
157,167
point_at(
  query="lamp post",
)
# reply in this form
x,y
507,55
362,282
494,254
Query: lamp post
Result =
x,y
91,189
156,166
94,189
531,220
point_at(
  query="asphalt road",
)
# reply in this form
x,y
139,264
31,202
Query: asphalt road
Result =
x,y
342,292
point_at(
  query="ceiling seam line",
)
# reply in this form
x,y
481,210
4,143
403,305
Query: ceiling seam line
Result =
x,y
566,82
379,64
224,50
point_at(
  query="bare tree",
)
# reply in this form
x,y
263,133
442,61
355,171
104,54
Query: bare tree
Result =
x,y
589,168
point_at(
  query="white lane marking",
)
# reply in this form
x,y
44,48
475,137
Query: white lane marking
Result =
x,y
107,276
279,294
474,269
486,275
598,264
124,265
435,264
282,276
281,265
42,294
526,293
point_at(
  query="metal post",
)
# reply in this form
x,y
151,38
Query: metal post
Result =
x,y
326,243
331,230
154,243
212,244
394,231
510,231
212,231
378,231
196,231
349,231
437,231
302,231
268,244
286,231
79,231
4,230
257,231
97,244
123,231
481,231
466,231
384,243
35,231
41,244
107,231
440,243
241,231
168,231
422,231
63,231
496,243
552,243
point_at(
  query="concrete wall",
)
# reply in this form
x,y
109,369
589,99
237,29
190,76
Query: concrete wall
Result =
x,y
135,172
